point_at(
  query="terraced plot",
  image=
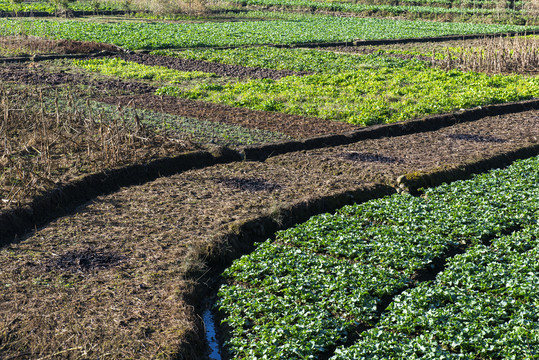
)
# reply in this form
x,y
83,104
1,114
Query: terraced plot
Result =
x,y
127,274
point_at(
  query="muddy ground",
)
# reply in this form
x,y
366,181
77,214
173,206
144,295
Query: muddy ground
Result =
x,y
124,267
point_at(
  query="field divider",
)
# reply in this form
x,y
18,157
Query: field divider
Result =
x,y
430,123
57,202
414,183
361,42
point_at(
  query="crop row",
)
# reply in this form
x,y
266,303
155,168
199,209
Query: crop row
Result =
x,y
442,3
369,95
131,70
307,60
171,126
304,292
361,8
296,29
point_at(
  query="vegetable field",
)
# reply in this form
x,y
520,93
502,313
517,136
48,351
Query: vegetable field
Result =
x,y
361,90
316,284
296,29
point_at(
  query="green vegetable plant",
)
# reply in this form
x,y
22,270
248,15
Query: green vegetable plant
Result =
x,y
304,292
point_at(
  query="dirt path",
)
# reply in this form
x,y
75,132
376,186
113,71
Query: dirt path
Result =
x,y
125,267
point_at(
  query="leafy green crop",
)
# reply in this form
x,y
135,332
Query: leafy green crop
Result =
x,y
295,30
132,70
288,59
298,295
367,8
484,305
51,8
369,95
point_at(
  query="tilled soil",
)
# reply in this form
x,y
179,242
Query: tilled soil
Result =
x,y
35,74
292,125
143,304
209,67
30,45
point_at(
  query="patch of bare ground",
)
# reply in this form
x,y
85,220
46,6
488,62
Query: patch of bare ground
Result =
x,y
292,125
235,71
30,45
38,74
155,241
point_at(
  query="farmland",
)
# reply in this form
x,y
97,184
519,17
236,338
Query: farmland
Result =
x,y
336,180
331,274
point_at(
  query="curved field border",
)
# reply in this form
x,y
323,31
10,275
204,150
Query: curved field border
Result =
x,y
179,207
430,123
246,234
60,201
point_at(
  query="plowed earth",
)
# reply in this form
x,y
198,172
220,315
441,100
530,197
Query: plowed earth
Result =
x,y
30,45
143,304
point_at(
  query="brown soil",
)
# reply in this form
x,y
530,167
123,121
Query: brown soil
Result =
x,y
235,71
36,74
29,45
292,125
143,307
46,150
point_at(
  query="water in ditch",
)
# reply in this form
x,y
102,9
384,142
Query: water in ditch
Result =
x,y
211,336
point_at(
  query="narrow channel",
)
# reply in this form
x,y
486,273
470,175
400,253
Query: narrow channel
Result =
x,y
211,336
